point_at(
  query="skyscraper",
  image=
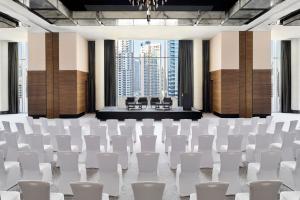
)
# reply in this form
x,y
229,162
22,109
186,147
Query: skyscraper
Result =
x,y
172,67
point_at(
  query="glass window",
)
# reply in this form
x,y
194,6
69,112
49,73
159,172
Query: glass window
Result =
x,y
147,68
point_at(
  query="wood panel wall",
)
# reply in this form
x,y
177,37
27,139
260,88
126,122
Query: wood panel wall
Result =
x,y
37,95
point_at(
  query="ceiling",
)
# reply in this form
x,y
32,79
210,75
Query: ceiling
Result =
x,y
171,5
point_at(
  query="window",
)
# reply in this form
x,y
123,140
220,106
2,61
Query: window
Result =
x,y
147,68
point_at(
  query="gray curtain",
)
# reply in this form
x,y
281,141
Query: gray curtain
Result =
x,y
13,77
206,77
91,77
185,74
286,76
110,72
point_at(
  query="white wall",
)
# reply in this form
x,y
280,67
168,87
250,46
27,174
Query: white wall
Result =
x,y
262,50
3,76
295,74
37,52
99,74
198,73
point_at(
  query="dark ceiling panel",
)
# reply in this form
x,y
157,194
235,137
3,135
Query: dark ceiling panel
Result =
x,y
118,5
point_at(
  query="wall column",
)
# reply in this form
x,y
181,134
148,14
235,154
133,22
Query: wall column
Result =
x,y
99,74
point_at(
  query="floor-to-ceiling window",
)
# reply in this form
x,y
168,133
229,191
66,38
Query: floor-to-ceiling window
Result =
x,y
147,68
22,73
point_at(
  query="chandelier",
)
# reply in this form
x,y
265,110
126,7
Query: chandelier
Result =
x,y
148,4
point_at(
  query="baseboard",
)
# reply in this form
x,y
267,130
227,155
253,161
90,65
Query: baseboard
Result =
x,y
4,112
226,115
37,116
72,115
295,111
261,115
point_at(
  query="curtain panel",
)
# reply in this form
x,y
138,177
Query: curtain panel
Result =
x,y
286,76
110,72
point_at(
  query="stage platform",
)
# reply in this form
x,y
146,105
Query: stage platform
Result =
x,y
122,113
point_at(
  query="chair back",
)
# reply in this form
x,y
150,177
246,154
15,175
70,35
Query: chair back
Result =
x,y
75,131
266,190
108,162
112,124
230,161
29,161
269,161
148,190
269,120
262,142
63,142
119,143
36,129
287,140
35,190
74,122
171,131
60,125
178,143
167,122
205,142
298,161
198,130
223,122
44,123
130,122
30,120
126,131
148,122
235,142
185,124
211,191
278,127
68,161
147,162
36,142
190,162
94,123
11,140
99,130
204,124
92,143
148,143
147,130
6,126
262,129
20,128
87,190
293,126
2,166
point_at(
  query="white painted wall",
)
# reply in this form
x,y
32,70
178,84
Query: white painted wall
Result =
x,y
262,50
37,52
295,74
3,76
230,50
198,73
99,74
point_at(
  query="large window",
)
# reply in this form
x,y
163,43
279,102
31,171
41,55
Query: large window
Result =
x,y
147,68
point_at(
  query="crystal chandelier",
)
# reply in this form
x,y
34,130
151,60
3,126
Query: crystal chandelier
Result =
x,y
149,4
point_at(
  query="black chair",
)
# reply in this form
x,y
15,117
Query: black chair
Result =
x,y
154,101
129,100
167,102
143,101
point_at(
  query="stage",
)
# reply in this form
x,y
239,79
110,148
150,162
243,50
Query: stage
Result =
x,y
122,113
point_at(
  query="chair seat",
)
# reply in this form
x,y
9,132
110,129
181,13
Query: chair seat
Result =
x,y
290,195
288,164
75,148
223,148
242,196
8,195
56,196
193,196
276,145
250,147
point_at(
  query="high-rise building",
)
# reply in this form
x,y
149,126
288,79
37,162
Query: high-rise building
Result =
x,y
137,77
172,50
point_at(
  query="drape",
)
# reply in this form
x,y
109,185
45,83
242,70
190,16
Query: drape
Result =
x,y
91,77
110,72
286,76
206,77
185,74
13,77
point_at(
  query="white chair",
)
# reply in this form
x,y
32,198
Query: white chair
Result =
x,y
9,173
266,190
148,122
187,174
9,195
148,190
44,124
119,145
59,123
93,123
110,173
165,123
132,123
112,127
210,191
21,132
30,121
290,173
170,131
204,124
223,122
45,152
222,136
293,195
196,132
147,164
32,169
178,146
53,131
75,122
92,149
293,126
12,146
286,147
38,190
148,143
228,171
266,169
234,143
261,130
205,147
253,151
185,127
70,171
254,123
269,120
64,143
6,126
76,136
101,131
148,130
237,125
37,129
127,132
88,191
245,130
277,132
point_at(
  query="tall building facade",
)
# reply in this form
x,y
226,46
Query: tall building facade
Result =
x,y
172,49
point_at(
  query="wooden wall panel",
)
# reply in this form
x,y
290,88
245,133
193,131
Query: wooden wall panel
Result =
x,y
262,91
81,91
230,91
216,91
37,93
